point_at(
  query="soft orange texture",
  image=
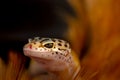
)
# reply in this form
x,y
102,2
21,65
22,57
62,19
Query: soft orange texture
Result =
x,y
102,60
15,69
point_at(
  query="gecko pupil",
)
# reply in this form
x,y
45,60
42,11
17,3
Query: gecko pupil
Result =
x,y
49,45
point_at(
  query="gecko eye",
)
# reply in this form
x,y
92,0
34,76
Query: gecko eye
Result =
x,y
49,45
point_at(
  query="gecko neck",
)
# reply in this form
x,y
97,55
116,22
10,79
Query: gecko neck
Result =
x,y
69,73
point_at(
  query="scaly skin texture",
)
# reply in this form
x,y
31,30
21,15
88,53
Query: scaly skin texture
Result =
x,y
55,56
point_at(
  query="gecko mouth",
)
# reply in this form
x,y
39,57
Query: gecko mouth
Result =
x,y
39,56
41,60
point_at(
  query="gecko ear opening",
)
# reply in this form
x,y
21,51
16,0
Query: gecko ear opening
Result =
x,y
49,45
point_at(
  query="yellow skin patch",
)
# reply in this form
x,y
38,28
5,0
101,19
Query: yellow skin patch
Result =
x,y
53,54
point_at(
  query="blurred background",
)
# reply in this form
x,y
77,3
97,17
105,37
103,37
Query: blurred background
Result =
x,y
23,19
91,26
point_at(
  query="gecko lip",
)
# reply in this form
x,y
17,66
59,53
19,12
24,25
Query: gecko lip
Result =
x,y
37,55
38,58
41,60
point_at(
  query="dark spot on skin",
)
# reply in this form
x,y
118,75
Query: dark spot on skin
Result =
x,y
59,49
69,57
54,47
65,45
61,54
34,42
36,48
59,40
53,40
56,52
59,44
52,53
59,57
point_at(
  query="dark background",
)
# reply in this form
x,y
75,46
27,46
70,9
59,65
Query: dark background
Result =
x,y
23,19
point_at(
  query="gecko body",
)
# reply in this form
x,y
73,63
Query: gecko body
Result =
x,y
54,55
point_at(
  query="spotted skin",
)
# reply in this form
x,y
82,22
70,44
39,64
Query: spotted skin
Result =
x,y
54,54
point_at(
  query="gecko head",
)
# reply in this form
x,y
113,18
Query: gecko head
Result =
x,y
49,52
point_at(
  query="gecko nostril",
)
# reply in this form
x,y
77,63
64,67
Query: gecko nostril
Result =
x,y
30,46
